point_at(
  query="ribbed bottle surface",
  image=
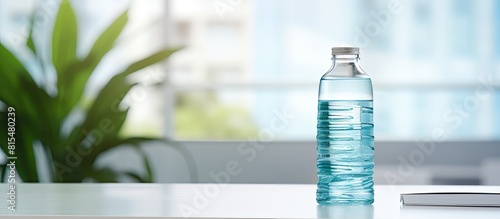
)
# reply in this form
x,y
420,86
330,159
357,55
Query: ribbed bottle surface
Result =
x,y
345,145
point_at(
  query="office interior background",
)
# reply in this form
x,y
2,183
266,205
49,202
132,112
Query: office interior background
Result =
x,y
243,89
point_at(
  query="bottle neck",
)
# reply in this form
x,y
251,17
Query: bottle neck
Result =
x,y
345,66
345,59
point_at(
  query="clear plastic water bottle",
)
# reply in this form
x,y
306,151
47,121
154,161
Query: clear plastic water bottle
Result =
x,y
345,132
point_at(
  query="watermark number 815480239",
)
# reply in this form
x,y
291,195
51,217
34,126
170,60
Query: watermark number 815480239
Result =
x,y
11,158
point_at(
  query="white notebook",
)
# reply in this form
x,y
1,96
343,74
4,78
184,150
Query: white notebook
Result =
x,y
455,199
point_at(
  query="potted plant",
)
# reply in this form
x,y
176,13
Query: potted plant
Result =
x,y
32,116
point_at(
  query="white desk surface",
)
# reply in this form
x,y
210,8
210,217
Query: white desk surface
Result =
x,y
219,201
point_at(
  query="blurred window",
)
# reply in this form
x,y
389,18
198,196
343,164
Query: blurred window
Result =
x,y
430,62
250,69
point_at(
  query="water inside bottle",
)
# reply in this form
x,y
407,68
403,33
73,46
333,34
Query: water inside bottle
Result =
x,y
345,142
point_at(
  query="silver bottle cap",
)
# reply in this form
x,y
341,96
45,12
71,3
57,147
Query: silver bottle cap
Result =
x,y
345,50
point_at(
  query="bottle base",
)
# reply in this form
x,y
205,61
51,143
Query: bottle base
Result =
x,y
343,202
328,195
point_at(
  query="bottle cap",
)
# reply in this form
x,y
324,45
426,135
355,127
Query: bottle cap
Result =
x,y
345,50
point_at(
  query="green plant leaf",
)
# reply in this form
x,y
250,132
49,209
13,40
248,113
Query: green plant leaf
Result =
x,y
71,85
105,109
76,76
147,167
64,38
16,78
29,41
12,70
44,118
3,131
106,41
148,178
99,139
150,60
136,142
31,44
4,172
110,144
108,175
104,175
64,46
26,162
135,176
108,100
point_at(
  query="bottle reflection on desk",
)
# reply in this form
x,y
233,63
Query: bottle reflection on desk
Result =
x,y
348,211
